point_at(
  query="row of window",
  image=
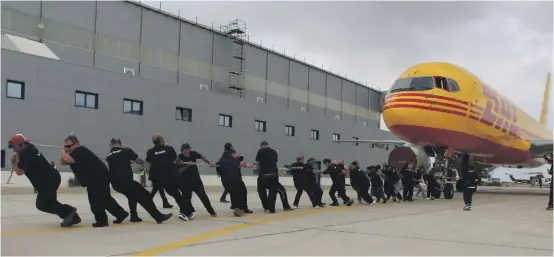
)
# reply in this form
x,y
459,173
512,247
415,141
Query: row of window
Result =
x,y
90,100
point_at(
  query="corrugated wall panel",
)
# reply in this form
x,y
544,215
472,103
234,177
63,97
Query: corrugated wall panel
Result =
x,y
316,95
277,81
333,96
362,104
256,68
196,55
159,57
298,90
348,101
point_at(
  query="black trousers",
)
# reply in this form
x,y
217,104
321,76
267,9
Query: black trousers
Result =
x,y
408,191
268,183
136,193
356,188
47,201
550,197
224,195
362,189
156,186
282,191
431,189
176,188
101,200
468,195
197,186
300,187
378,192
237,191
340,188
314,190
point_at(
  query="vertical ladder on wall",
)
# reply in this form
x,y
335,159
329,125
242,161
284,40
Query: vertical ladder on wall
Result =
x,y
236,31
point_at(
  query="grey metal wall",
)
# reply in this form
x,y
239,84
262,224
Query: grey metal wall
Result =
x,y
171,59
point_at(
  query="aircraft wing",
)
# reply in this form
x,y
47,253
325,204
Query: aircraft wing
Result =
x,y
376,143
540,148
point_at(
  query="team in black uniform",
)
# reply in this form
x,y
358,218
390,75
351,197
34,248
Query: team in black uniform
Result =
x,y
121,174
162,158
191,175
93,174
337,172
44,177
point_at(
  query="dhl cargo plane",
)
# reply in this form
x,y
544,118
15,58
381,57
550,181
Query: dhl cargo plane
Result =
x,y
443,110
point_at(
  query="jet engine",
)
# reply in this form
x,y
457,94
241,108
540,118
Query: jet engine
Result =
x,y
407,153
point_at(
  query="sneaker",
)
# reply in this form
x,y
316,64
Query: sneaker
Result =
x,y
167,206
350,203
248,211
549,207
295,207
466,208
316,207
213,214
334,204
223,201
322,205
192,216
238,212
183,217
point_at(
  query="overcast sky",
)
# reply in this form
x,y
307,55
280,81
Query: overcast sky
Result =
x,y
507,44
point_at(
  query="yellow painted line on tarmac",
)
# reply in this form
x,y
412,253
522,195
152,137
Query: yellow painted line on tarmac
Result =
x,y
127,224
225,231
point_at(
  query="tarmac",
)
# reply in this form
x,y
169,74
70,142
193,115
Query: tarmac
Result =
x,y
499,224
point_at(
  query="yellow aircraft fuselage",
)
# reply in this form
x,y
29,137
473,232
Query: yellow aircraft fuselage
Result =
x,y
443,105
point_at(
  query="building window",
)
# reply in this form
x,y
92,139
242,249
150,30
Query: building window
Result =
x,y
289,130
132,106
225,120
336,137
315,134
86,100
355,138
259,125
15,89
183,114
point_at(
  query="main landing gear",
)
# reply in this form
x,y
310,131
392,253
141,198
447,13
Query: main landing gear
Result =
x,y
445,174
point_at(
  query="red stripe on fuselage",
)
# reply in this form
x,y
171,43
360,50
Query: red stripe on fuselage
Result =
x,y
429,96
411,100
415,106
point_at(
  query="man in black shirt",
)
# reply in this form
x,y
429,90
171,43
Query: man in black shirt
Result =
x,y
376,183
162,158
311,184
358,178
268,176
548,158
228,167
392,182
93,174
119,161
470,181
432,185
153,176
408,175
44,177
299,179
337,173
191,175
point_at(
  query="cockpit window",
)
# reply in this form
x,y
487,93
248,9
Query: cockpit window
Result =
x,y
413,84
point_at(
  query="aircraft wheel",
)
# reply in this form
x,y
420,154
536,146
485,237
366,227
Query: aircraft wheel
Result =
x,y
459,186
448,191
